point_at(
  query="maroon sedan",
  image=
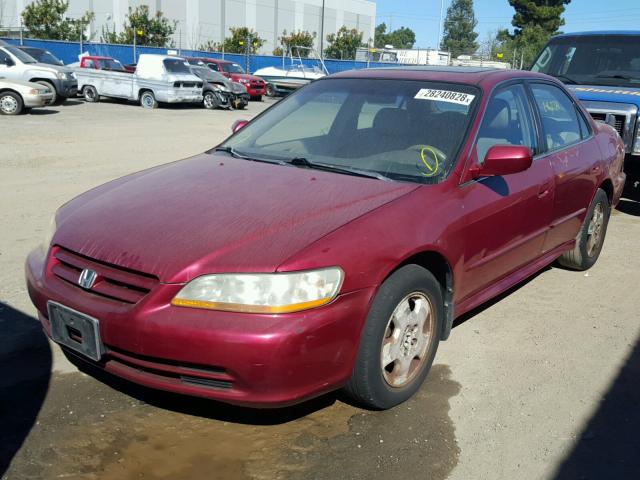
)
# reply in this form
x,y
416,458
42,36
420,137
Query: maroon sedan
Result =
x,y
332,241
256,86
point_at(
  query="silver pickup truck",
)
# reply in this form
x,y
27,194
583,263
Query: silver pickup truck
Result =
x,y
157,79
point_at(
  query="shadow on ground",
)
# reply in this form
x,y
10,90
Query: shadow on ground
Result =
x,y
25,370
609,446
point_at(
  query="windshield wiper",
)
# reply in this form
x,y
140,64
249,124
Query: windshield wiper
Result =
x,y
565,79
306,163
235,154
618,76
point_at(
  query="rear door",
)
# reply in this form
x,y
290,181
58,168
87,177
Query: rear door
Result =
x,y
565,136
508,216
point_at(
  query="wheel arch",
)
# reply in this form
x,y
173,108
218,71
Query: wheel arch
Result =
x,y
607,186
4,90
436,263
144,90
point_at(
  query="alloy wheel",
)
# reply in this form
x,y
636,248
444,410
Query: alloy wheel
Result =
x,y
407,339
8,104
594,230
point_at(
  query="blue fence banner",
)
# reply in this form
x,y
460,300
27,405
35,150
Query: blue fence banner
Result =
x,y
69,52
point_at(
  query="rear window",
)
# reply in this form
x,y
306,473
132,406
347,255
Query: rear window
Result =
x,y
175,65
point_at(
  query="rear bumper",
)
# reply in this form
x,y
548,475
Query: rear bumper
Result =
x,y
244,359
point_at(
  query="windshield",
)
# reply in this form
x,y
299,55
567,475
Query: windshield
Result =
x,y
109,64
598,60
175,65
232,68
43,56
20,55
404,130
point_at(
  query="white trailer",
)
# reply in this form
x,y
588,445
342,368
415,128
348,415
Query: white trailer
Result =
x,y
158,78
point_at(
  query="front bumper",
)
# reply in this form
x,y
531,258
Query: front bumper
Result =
x,y
66,88
254,91
38,100
188,96
244,359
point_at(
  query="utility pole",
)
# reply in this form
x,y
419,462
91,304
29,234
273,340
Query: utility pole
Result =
x,y
322,32
440,25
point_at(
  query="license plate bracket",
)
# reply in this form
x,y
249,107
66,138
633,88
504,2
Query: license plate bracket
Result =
x,y
75,330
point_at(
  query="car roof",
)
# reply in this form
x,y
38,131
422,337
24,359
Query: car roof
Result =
x,y
484,77
210,60
99,57
600,33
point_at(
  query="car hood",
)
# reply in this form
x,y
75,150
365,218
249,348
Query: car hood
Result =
x,y
214,213
251,78
599,93
48,66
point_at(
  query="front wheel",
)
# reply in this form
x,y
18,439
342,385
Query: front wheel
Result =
x,y
211,101
271,91
591,235
148,100
10,103
399,340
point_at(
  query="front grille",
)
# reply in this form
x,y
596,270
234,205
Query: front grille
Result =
x,y
619,121
187,84
112,281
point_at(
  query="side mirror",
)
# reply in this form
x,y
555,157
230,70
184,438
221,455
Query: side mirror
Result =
x,y
238,125
504,160
9,62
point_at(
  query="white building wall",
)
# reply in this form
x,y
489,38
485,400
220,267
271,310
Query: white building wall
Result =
x,y
200,21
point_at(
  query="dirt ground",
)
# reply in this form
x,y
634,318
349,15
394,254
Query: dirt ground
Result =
x,y
540,384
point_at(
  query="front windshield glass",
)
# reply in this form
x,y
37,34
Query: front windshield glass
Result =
x,y
401,129
598,60
232,68
20,55
176,65
44,56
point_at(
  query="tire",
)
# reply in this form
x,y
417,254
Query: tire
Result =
x,y
270,91
49,85
389,335
148,100
10,103
591,236
210,101
90,94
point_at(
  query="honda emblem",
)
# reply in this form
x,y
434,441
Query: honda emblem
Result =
x,y
87,278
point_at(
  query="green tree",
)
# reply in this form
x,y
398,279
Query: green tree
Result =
x,y
535,21
344,43
288,42
241,38
459,29
403,37
46,19
154,31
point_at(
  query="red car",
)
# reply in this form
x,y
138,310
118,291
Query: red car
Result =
x,y
332,241
102,63
256,86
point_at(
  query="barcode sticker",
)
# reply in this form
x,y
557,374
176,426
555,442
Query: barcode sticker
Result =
x,y
445,96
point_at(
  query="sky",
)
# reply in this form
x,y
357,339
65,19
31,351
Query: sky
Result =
x,y
423,16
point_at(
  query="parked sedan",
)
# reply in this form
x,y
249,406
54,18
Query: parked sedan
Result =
x,y
332,241
220,92
17,96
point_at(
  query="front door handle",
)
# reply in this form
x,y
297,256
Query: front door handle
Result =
x,y
545,189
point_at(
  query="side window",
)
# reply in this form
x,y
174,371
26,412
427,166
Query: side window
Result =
x,y
88,64
3,58
507,121
213,66
560,124
585,131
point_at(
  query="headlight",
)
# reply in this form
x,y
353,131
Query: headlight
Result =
x,y
61,75
636,142
244,80
220,87
48,235
262,293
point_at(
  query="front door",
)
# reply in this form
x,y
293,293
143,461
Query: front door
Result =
x,y
508,216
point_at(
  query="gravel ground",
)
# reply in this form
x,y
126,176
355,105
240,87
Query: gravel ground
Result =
x,y
541,383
